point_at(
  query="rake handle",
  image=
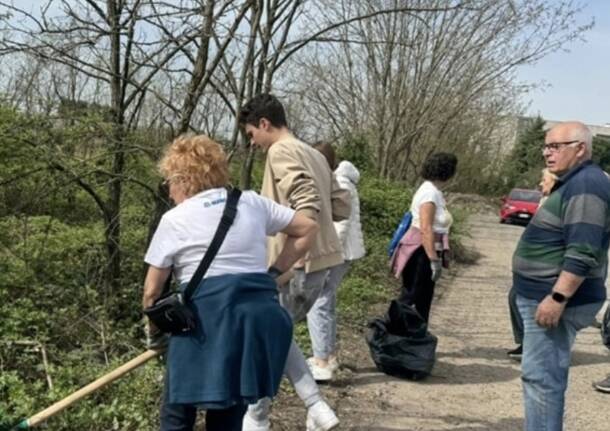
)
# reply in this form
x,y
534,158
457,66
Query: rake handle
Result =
x,y
86,390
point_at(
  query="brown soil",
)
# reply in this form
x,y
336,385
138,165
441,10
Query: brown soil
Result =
x,y
474,386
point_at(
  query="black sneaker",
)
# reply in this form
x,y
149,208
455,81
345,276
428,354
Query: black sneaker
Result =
x,y
603,386
516,354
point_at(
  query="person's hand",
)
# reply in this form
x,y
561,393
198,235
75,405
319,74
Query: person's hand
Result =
x,y
155,339
436,265
299,263
549,312
281,278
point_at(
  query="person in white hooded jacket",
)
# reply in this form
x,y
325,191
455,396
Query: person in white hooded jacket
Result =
x,y
322,318
350,230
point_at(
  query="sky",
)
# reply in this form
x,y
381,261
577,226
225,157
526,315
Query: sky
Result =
x,y
577,82
574,83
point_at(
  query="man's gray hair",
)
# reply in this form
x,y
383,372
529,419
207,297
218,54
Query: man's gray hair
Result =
x,y
583,134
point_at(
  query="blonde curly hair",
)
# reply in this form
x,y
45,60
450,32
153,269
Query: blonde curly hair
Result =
x,y
195,162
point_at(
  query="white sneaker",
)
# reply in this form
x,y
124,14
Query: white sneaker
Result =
x,y
320,374
333,364
252,424
320,417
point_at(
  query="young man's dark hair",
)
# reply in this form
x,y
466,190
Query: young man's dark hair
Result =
x,y
439,167
263,106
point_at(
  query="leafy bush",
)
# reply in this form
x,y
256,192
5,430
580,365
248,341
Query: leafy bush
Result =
x,y
382,205
50,294
357,150
48,269
601,151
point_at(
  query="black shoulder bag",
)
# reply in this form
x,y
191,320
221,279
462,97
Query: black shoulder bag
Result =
x,y
170,313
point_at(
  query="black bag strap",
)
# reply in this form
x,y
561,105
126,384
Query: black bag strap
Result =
x,y
226,221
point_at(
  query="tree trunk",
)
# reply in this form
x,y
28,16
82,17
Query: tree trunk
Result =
x,y
245,180
115,185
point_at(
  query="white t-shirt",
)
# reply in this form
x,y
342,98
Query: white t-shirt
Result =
x,y
186,231
428,192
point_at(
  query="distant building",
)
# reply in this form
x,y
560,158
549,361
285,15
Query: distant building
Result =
x,y
506,133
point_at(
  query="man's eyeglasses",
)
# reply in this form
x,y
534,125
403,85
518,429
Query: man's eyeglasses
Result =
x,y
554,147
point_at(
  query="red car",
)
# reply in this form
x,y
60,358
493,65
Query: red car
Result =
x,y
519,206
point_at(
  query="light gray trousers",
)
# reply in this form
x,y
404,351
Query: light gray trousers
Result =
x,y
322,318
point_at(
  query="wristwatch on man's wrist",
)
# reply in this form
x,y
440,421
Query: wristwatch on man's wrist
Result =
x,y
558,297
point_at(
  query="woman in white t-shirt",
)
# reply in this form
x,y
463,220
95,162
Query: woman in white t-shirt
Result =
x,y
420,254
237,352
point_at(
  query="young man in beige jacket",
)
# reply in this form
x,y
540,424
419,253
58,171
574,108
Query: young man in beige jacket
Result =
x,y
298,176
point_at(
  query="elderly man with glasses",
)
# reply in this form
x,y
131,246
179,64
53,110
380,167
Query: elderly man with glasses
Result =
x,y
559,271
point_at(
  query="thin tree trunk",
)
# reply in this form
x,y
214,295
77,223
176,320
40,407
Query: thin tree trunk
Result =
x,y
115,185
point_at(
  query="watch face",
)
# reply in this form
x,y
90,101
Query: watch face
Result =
x,y
274,272
559,297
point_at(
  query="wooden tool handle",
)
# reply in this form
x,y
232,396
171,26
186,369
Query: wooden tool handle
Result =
x,y
86,390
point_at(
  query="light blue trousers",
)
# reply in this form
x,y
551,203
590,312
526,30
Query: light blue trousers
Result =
x,y
546,362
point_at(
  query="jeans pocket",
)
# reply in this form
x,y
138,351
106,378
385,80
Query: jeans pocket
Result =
x,y
582,316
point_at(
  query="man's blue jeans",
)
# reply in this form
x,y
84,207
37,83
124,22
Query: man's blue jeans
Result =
x,y
546,361
516,322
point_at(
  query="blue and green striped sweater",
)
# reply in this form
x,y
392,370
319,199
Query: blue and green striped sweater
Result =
x,y
570,232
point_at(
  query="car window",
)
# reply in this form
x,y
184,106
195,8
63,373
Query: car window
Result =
x,y
525,195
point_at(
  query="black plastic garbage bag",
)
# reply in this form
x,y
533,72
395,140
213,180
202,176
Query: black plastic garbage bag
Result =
x,y
605,328
400,343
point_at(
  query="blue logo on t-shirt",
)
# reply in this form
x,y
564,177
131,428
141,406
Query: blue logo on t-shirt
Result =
x,y
208,204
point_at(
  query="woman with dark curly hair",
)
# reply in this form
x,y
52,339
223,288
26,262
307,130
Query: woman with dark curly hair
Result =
x,y
420,256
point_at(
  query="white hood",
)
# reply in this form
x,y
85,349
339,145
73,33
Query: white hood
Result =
x,y
350,231
348,170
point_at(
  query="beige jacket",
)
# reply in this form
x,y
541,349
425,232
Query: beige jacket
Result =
x,y
298,176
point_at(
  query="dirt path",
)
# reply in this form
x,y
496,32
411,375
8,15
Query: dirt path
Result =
x,y
474,386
